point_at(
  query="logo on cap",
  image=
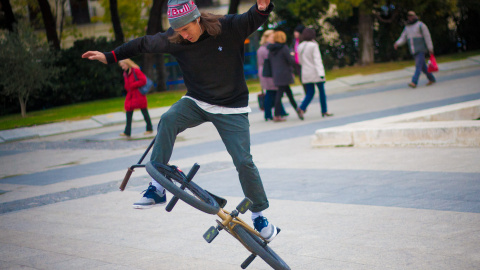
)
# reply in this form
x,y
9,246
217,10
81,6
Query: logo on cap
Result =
x,y
175,11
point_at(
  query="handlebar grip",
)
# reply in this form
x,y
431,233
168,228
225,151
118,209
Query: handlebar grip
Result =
x,y
125,180
171,204
192,172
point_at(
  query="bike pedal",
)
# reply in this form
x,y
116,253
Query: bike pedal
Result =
x,y
244,205
210,234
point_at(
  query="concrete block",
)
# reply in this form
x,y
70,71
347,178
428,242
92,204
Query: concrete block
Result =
x,y
18,134
332,137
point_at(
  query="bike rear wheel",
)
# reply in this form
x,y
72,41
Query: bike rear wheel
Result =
x,y
258,247
172,180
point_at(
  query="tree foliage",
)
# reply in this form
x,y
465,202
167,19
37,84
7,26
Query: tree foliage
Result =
x,y
132,18
27,64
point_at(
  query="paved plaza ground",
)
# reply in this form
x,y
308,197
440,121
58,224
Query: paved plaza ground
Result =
x,y
414,207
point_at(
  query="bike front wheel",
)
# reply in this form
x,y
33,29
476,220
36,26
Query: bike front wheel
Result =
x,y
258,247
172,181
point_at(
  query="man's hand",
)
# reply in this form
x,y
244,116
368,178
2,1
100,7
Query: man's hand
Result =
x,y
95,55
431,52
263,4
395,46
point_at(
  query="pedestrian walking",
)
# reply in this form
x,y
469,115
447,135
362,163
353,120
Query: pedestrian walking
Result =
x,y
282,70
133,79
417,36
267,83
313,72
205,47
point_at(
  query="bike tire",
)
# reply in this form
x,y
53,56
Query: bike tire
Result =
x,y
192,195
257,247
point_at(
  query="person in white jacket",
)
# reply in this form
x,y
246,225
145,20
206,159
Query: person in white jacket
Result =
x,y
313,72
419,42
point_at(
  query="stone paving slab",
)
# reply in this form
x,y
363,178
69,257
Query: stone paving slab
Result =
x,y
64,127
475,58
356,80
18,134
104,232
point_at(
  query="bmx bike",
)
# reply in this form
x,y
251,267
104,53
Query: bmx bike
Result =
x,y
182,187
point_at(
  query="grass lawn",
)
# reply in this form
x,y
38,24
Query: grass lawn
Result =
x,y
89,109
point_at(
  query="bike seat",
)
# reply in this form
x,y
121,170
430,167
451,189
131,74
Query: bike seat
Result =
x,y
221,201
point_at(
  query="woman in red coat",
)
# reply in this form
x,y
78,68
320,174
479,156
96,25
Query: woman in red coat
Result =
x,y
134,78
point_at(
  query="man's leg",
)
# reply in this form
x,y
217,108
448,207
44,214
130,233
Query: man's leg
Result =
x,y
182,115
419,63
430,77
234,129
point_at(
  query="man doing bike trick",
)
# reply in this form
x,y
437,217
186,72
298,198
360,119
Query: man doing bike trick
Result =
x,y
210,52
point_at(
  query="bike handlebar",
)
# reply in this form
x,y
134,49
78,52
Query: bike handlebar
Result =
x,y
189,178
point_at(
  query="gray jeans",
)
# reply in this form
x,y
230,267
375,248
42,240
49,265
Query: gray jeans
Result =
x,y
234,129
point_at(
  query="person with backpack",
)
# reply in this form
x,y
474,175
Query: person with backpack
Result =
x,y
417,37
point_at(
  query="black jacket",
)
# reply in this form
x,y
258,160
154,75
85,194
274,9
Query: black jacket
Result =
x,y
282,64
213,66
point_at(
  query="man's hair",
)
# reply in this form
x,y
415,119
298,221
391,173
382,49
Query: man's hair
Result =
x,y
209,22
308,34
280,37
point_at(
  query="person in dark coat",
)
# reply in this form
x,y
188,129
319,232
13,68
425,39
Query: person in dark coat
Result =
x,y
134,79
267,82
282,71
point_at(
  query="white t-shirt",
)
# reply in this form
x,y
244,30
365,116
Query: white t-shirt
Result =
x,y
215,109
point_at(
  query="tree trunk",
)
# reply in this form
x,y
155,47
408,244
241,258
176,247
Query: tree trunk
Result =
x,y
365,27
117,27
233,8
23,105
80,12
9,17
150,60
50,25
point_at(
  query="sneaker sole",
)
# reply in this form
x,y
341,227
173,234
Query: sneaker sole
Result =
x,y
139,206
276,231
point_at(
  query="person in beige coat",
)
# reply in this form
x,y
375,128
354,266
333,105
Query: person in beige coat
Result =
x,y
313,72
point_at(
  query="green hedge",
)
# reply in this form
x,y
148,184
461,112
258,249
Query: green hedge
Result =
x,y
82,80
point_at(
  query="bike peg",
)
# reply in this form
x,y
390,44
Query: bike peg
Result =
x,y
248,261
244,205
210,234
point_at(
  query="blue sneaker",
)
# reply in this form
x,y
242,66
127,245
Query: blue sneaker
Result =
x,y
266,229
150,198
